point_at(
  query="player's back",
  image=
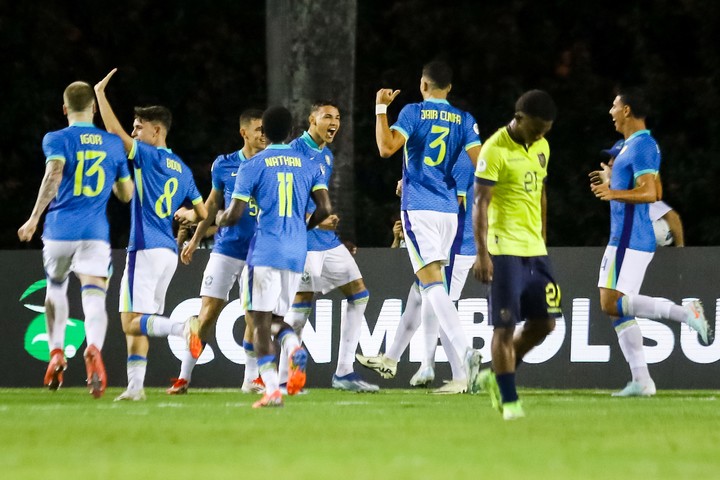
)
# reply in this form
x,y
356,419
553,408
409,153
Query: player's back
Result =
x,y
318,239
233,240
435,133
93,160
630,224
163,183
280,180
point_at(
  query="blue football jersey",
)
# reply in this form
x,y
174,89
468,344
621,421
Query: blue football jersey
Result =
x,y
435,133
162,184
318,240
93,161
630,224
234,240
464,174
280,180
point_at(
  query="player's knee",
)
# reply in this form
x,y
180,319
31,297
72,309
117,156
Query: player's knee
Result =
x,y
609,306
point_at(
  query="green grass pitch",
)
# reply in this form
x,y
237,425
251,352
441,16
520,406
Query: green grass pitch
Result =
x,y
394,434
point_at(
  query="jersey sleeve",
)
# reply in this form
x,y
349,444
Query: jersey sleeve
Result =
x,y
137,153
318,182
489,166
53,147
216,177
244,182
406,120
471,132
193,194
647,159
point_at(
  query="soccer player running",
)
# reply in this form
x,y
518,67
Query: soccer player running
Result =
x,y
281,180
510,231
462,257
164,183
630,189
329,264
433,134
83,166
229,254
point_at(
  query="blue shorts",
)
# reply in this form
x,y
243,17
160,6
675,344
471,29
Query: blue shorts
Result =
x,y
522,288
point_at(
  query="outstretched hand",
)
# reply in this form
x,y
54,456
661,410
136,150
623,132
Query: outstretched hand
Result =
x,y
100,86
600,176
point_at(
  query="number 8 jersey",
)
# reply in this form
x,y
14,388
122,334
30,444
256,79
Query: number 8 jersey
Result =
x,y
93,160
162,184
435,134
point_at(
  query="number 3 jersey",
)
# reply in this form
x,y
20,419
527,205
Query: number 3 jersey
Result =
x,y
517,175
93,161
162,184
280,180
435,133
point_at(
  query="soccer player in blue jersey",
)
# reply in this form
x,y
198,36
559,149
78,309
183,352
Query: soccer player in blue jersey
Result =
x,y
630,189
329,264
462,258
229,252
509,216
432,134
163,182
281,180
83,166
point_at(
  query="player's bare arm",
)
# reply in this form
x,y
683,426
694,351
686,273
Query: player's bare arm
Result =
x,y
232,213
483,267
48,190
388,141
112,124
644,192
124,190
543,213
323,208
474,154
212,206
330,223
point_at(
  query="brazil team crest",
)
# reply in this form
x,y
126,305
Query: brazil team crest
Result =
x,y
542,160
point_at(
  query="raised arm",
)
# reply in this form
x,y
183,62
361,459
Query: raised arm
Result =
x,y
388,141
112,124
48,190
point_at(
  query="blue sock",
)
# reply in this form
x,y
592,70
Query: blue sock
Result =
x,y
506,382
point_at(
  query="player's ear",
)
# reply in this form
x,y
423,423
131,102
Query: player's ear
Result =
x,y
64,109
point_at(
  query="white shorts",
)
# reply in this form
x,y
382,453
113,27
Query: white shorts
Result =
x,y
429,236
627,277
146,279
267,289
221,273
461,265
83,257
327,270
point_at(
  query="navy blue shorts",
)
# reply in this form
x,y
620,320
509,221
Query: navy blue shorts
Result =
x,y
522,288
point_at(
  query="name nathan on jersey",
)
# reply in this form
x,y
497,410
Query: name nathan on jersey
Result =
x,y
442,115
283,161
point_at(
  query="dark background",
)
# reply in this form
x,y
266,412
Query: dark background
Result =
x,y
206,61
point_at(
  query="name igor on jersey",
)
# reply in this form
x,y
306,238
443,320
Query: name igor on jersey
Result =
x,y
318,239
435,133
280,180
465,179
518,177
162,184
233,240
93,161
630,224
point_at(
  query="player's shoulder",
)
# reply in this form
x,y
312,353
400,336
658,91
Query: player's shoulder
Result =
x,y
223,160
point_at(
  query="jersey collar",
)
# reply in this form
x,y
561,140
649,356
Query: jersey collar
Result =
x,y
637,134
82,124
278,146
437,100
307,138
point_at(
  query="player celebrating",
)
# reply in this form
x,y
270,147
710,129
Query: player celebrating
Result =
x,y
329,264
510,230
281,180
229,252
630,189
433,133
164,183
83,165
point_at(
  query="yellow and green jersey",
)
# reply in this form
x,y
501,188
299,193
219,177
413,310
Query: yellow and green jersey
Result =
x,y
517,174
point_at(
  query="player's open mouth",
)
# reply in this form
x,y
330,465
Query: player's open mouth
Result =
x,y
331,132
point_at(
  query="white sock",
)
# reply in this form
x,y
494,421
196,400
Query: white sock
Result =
x,y
289,342
159,326
96,318
654,308
56,313
431,331
350,332
434,296
631,343
269,375
187,366
456,362
136,367
409,323
251,366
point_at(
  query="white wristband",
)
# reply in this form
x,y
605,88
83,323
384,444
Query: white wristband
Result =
x,y
381,109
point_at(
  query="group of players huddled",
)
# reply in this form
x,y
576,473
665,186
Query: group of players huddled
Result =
x,y
463,205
